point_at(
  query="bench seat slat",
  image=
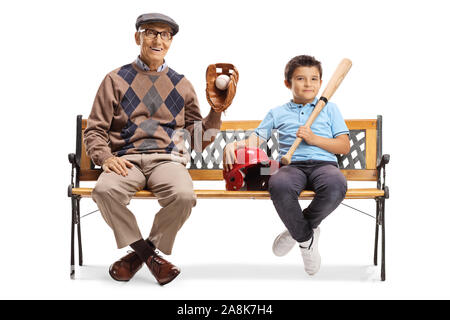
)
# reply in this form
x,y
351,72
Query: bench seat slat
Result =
x,y
217,175
360,193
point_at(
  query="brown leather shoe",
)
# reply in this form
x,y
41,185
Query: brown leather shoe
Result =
x,y
126,267
162,270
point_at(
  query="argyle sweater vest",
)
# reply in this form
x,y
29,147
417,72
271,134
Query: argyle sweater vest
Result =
x,y
138,111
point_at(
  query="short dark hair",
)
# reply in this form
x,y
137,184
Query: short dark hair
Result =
x,y
301,61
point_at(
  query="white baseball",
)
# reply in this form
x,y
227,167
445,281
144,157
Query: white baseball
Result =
x,y
222,82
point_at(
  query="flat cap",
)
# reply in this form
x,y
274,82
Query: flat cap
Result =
x,y
156,17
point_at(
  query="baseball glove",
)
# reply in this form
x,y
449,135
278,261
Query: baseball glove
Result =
x,y
220,100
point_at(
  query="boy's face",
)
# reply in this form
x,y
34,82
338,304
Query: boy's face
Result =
x,y
305,84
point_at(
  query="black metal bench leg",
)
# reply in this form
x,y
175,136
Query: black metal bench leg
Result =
x,y
383,243
80,249
72,240
375,255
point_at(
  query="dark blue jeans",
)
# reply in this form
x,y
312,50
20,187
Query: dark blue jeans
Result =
x,y
323,177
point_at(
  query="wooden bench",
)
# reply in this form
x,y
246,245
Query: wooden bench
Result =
x,y
365,162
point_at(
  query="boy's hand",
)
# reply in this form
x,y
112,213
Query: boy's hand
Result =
x,y
117,165
306,134
229,157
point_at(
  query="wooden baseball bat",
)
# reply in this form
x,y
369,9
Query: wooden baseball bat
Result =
x,y
333,84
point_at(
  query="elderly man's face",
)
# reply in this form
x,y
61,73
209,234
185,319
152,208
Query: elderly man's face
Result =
x,y
154,50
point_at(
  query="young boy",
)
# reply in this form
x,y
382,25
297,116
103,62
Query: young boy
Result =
x,y
313,165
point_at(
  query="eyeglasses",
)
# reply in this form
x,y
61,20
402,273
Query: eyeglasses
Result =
x,y
152,34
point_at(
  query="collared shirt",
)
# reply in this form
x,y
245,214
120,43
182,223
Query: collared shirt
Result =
x,y
286,119
141,64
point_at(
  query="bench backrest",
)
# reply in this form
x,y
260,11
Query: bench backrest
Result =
x,y
358,165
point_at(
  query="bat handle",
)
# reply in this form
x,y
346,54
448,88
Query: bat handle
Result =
x,y
286,159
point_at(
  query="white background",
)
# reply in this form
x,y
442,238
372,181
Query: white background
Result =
x,y
55,54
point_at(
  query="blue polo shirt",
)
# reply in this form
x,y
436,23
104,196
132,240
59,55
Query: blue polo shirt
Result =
x,y
286,119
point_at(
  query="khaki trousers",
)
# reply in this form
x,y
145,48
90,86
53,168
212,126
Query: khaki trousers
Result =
x,y
167,178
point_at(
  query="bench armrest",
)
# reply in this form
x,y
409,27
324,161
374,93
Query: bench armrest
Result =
x,y
72,158
384,161
381,183
74,181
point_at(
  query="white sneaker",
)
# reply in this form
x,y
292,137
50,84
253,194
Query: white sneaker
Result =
x,y
310,254
283,244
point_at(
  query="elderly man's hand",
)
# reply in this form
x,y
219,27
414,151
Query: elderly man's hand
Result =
x,y
117,165
220,100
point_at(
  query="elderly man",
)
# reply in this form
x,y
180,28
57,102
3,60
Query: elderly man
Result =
x,y
130,134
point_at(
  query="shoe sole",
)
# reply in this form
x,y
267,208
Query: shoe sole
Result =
x,y
315,272
273,246
164,283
